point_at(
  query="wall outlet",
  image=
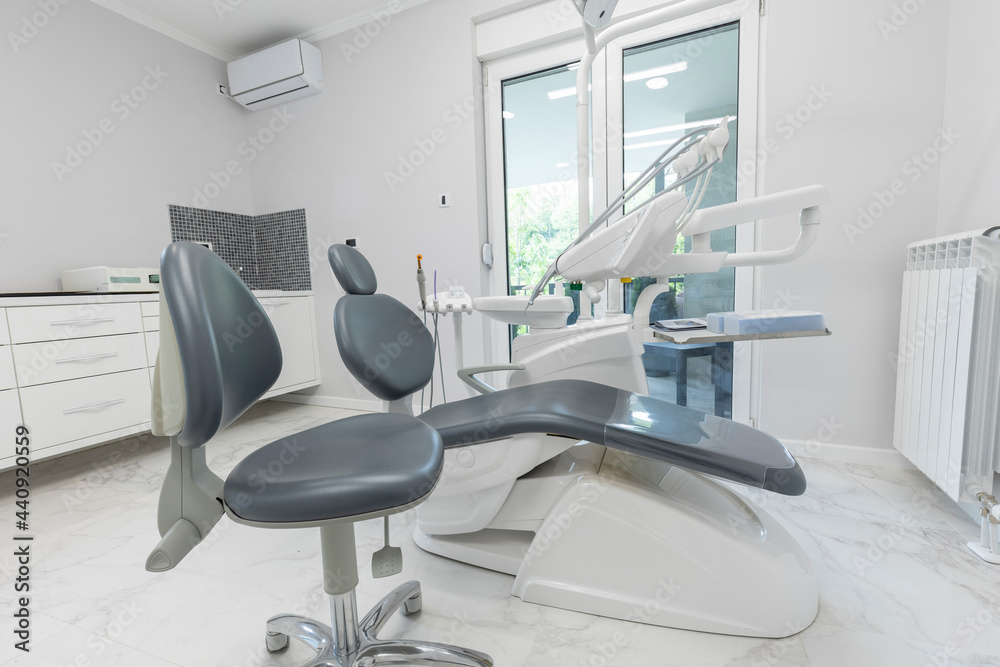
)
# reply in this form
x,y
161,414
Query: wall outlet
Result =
x,y
444,201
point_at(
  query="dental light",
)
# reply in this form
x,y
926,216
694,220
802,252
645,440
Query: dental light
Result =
x,y
596,12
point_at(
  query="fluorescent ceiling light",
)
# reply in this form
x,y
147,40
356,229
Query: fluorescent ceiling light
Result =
x,y
562,92
672,128
673,68
508,114
657,82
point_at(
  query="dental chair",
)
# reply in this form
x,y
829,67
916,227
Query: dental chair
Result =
x,y
608,508
218,355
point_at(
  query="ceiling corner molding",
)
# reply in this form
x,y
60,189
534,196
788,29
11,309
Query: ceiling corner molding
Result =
x,y
164,29
354,21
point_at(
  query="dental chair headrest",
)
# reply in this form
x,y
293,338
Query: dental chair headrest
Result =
x,y
352,270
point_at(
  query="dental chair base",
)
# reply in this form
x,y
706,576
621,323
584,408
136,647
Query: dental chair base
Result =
x,y
644,542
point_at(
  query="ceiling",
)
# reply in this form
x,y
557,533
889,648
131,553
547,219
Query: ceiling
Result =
x,y
230,29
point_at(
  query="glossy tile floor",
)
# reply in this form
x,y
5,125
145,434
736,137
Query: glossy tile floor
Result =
x,y
897,585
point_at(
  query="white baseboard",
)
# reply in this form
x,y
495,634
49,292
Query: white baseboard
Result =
x,y
359,404
829,451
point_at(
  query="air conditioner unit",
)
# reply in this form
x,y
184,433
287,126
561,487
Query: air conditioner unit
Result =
x,y
277,74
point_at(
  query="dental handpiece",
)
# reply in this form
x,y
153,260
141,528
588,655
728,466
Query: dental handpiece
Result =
x,y
421,283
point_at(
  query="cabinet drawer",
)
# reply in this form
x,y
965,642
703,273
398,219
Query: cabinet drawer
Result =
x,y
54,361
32,324
66,411
7,377
10,418
152,347
150,308
4,333
293,322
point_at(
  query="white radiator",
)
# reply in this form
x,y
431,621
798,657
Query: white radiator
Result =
x,y
948,364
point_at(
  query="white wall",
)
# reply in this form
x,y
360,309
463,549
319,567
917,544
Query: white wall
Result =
x,y
112,208
400,89
887,104
970,173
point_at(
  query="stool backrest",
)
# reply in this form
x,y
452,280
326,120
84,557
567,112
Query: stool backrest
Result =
x,y
219,352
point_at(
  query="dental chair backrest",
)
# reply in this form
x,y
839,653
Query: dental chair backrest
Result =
x,y
383,343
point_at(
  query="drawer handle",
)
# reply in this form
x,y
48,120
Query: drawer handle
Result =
x,y
283,302
97,406
94,320
92,357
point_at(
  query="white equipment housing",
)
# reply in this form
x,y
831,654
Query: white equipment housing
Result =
x,y
604,532
111,279
276,75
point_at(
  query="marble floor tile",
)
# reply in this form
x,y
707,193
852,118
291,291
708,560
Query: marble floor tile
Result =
x,y
829,646
897,585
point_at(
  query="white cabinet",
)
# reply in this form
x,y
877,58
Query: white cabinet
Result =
x,y
295,323
8,380
55,361
78,369
62,412
38,323
152,347
10,418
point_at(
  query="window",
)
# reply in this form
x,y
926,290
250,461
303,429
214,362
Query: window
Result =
x,y
540,185
660,83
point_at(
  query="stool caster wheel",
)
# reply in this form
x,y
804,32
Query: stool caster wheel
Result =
x,y
413,604
276,642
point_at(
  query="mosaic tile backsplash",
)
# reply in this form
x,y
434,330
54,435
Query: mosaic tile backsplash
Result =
x,y
270,252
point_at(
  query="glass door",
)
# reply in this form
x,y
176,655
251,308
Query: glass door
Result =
x,y
648,89
670,87
540,176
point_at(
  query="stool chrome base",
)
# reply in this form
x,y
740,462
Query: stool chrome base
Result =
x,y
359,646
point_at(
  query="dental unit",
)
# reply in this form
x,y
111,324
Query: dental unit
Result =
x,y
595,497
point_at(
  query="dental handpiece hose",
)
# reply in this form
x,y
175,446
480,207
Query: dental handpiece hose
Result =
x,y
422,283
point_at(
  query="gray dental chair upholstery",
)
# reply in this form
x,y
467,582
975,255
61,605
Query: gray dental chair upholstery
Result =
x,y
219,354
617,419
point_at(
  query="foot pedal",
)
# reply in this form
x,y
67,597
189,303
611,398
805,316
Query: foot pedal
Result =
x,y
388,560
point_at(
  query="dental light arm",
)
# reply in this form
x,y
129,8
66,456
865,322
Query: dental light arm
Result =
x,y
693,155
807,200
642,243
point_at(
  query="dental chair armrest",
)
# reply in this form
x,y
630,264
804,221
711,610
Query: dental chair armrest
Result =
x,y
467,375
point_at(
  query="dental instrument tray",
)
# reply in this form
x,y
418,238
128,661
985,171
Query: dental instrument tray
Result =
x,y
696,336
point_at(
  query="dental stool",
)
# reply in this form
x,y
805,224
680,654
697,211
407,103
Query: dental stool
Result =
x,y
218,355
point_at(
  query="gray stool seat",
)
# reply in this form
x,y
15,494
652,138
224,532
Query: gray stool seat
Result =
x,y
347,468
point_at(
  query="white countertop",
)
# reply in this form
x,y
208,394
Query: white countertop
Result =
x,y
57,299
